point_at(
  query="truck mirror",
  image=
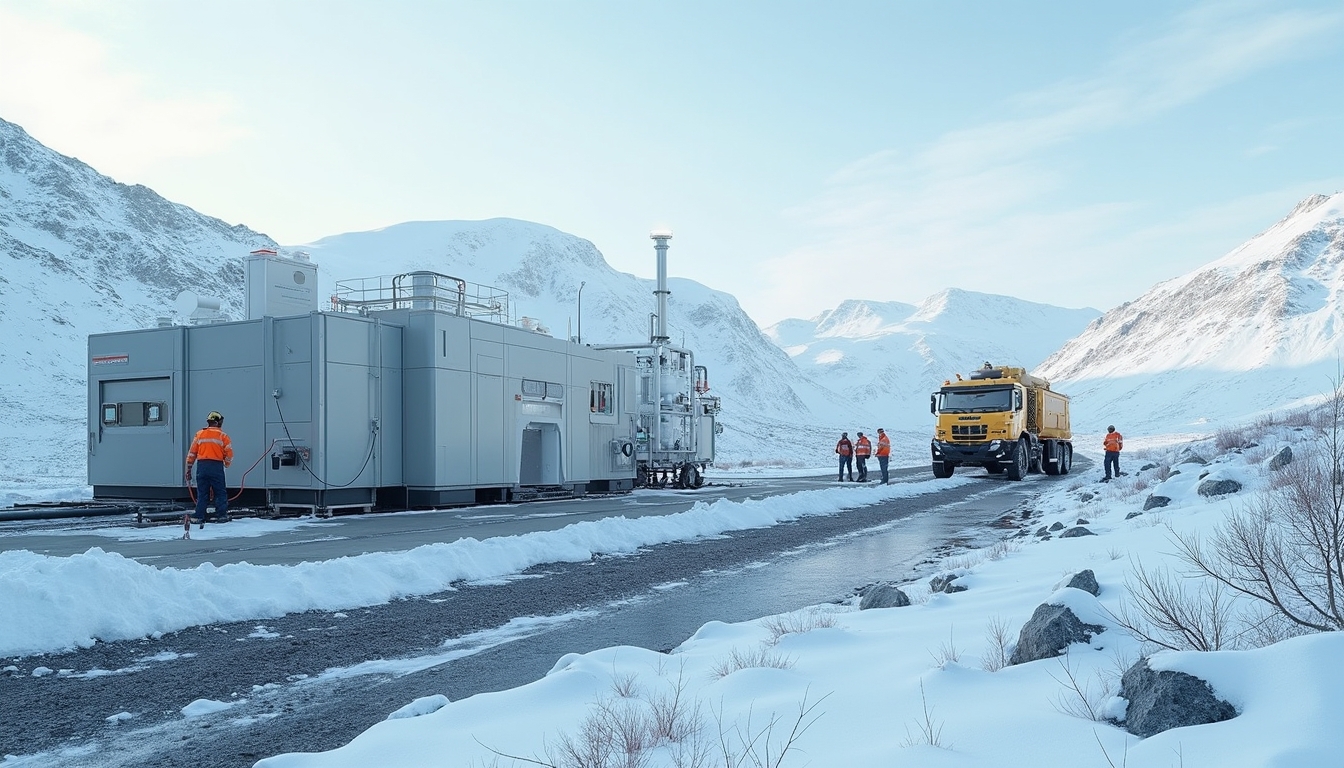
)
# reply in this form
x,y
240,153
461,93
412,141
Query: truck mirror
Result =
x,y
933,403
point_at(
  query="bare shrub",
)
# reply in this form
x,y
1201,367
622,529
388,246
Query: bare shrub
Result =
x,y
1139,484
765,746
797,623
930,730
1000,638
1286,549
1081,697
1162,473
673,716
1002,548
1229,439
625,686
1298,417
1163,612
759,658
1115,553
947,653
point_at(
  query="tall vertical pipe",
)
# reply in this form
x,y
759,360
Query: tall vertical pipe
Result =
x,y
660,238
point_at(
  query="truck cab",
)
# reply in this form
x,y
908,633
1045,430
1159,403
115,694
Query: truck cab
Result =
x,y
1002,419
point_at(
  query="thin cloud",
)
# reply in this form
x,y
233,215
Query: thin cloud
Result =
x,y
973,197
72,94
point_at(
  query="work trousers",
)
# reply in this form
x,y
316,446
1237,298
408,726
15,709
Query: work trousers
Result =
x,y
1112,464
863,468
846,464
210,477
882,465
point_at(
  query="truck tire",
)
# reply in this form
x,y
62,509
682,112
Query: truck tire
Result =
x,y
942,469
1065,458
1021,461
1052,456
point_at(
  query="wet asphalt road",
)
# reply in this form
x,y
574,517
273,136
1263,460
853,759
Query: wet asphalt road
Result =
x,y
275,668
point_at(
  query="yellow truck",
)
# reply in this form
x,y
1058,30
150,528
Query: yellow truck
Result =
x,y
1003,419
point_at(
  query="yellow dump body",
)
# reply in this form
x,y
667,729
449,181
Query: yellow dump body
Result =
x,y
1001,418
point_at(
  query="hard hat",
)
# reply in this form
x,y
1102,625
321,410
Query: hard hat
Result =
x,y
1111,428
860,434
215,416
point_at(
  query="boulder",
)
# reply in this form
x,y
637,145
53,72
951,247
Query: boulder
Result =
x,y
1218,487
1281,459
1160,701
1075,532
944,583
1051,629
1147,467
1057,527
1086,581
1081,521
1154,501
1190,457
883,595
1136,512
1085,497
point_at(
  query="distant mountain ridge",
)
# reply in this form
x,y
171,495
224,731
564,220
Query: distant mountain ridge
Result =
x,y
893,354
1257,330
83,254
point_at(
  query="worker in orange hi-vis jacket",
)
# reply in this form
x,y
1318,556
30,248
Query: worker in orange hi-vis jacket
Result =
x,y
863,448
1114,442
883,453
211,452
846,451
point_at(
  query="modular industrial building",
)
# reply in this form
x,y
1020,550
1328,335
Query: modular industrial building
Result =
x,y
414,390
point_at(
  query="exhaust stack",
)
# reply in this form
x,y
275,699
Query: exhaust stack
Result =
x,y
660,238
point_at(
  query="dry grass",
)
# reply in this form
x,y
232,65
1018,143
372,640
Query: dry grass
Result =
x,y
760,658
797,623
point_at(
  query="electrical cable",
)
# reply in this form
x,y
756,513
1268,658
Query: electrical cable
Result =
x,y
373,442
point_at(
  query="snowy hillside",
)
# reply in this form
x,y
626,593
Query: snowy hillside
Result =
x,y
766,399
83,254
891,355
1259,329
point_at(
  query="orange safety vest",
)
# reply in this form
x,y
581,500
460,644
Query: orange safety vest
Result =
x,y
883,444
211,443
863,447
1113,441
844,447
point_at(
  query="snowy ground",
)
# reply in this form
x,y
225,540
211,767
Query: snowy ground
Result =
x,y
828,685
919,685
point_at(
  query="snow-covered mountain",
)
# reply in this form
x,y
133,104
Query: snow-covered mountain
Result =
x,y
1262,325
766,399
891,355
83,254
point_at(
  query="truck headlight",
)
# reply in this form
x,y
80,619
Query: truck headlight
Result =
x,y
994,444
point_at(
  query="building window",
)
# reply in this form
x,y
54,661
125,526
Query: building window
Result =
x,y
600,399
546,390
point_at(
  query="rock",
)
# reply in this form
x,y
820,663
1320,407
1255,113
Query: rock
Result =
x,y
1086,581
944,583
1051,629
1042,531
1154,501
1147,467
1136,513
1075,532
1081,521
1174,473
1281,459
1085,497
1057,527
884,595
1160,701
1218,487
1191,458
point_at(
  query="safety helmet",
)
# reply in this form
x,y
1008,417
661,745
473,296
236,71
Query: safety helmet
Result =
x,y
215,416
1111,428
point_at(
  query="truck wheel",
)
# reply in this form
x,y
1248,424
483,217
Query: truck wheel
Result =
x,y
1052,450
1018,469
1065,458
942,469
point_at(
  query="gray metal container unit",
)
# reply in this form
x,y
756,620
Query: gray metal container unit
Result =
x,y
494,412
312,405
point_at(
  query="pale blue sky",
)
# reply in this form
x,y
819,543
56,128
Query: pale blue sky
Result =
x,y
803,152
